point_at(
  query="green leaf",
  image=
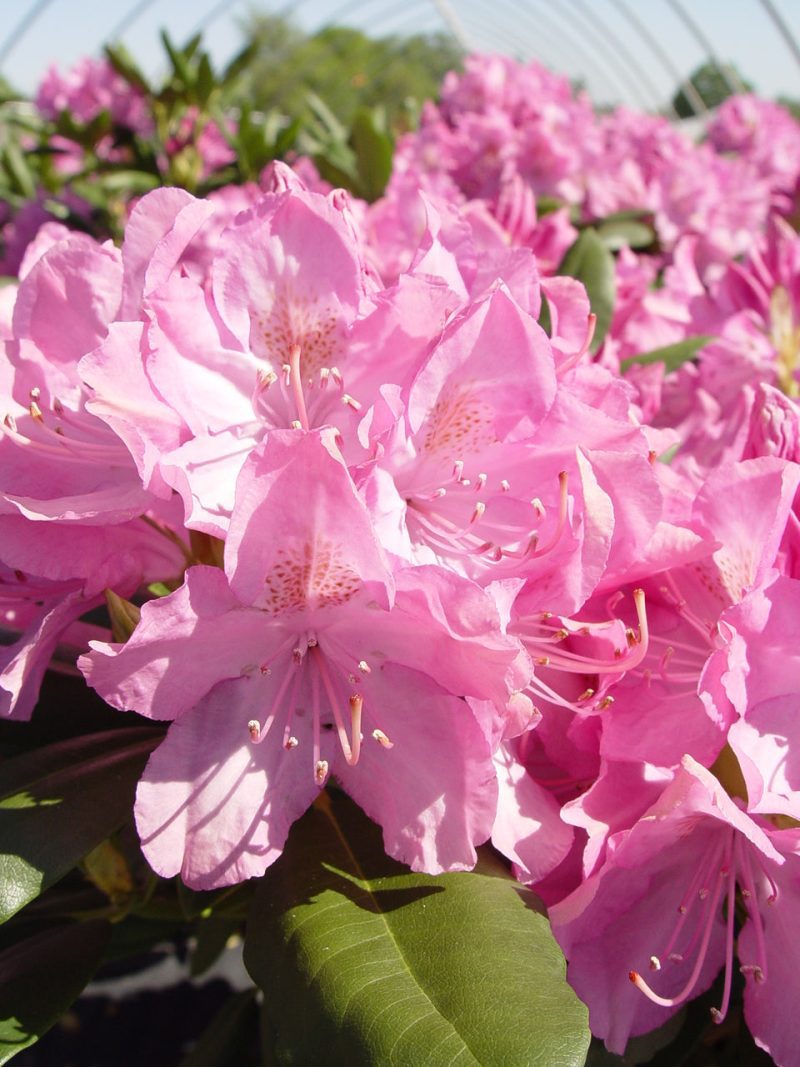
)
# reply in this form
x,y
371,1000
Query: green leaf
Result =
x,y
211,937
206,82
621,233
57,803
590,261
328,122
672,356
40,976
124,64
363,962
130,182
15,163
179,60
240,62
545,320
374,149
230,1037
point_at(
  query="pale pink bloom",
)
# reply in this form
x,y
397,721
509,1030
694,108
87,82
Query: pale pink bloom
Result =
x,y
762,133
89,87
271,681
652,915
758,672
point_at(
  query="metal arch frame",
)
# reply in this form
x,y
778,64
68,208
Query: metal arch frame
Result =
x,y
728,72
556,37
131,15
513,48
22,27
588,61
609,42
453,23
696,101
782,27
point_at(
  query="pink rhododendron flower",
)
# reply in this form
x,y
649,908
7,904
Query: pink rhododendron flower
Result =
x,y
652,914
271,679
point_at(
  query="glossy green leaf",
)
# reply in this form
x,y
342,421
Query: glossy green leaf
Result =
x,y
672,356
363,962
40,976
58,802
374,150
590,261
621,233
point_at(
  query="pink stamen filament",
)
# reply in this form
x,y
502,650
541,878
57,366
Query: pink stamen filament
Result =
x,y
735,858
351,750
290,742
65,450
259,732
297,386
564,660
320,771
719,1013
759,970
562,517
569,363
671,590
671,1002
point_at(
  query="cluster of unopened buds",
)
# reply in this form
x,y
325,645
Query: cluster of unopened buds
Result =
x,y
399,535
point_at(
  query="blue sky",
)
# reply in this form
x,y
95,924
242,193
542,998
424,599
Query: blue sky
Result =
x,y
550,30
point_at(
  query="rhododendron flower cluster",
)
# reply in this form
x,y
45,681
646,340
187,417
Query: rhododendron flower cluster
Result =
x,y
419,529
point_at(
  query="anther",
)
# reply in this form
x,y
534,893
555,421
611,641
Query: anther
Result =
x,y
58,407
655,963
297,655
321,771
606,702
35,393
255,731
36,411
505,486
587,694
480,481
458,469
538,507
290,743
382,739
364,667
478,512
264,379
11,423
296,424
